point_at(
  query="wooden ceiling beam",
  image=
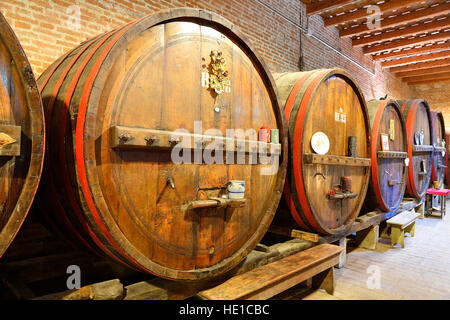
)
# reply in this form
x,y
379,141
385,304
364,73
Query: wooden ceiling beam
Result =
x,y
362,12
421,65
415,59
405,32
403,43
408,52
428,13
437,70
418,83
436,77
325,5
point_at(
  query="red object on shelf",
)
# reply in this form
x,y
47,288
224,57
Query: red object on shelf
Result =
x,y
264,134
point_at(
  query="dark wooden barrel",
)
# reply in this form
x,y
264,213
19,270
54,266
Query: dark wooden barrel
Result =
x,y
440,155
21,135
420,149
324,192
389,160
113,107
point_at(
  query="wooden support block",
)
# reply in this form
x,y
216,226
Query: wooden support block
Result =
x,y
368,238
343,254
19,289
325,280
269,280
397,236
421,209
293,233
411,229
10,140
107,290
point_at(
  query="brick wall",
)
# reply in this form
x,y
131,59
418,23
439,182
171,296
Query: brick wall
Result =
x,y
438,97
47,30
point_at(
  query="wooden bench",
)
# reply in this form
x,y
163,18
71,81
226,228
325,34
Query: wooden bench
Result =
x,y
401,223
316,263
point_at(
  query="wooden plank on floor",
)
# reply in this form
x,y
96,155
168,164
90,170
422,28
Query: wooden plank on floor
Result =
x,y
271,279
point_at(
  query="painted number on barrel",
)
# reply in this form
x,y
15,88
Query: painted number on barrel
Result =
x,y
340,116
205,83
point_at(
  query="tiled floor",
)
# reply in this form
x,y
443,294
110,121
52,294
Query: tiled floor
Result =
x,y
421,270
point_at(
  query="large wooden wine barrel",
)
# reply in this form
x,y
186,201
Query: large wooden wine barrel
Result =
x,y
115,107
324,189
388,154
440,155
21,135
420,149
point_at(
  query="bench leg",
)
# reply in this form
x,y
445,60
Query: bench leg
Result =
x,y
411,229
397,236
325,280
421,209
343,254
368,238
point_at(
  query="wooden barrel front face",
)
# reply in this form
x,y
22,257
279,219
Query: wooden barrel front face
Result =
x,y
328,102
440,154
115,104
420,149
388,155
21,135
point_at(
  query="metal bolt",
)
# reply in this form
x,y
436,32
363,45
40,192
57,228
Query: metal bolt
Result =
x,y
125,136
151,139
174,141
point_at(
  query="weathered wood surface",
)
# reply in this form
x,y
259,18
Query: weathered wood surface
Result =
x,y
389,170
21,135
274,278
439,164
418,121
161,289
329,101
107,290
134,205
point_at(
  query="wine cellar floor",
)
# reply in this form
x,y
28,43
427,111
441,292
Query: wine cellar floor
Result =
x,y
418,271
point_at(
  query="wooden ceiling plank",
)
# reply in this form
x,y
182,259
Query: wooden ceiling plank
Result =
x,y
421,65
406,32
415,59
444,35
403,53
428,13
437,77
325,5
437,70
362,12
416,83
